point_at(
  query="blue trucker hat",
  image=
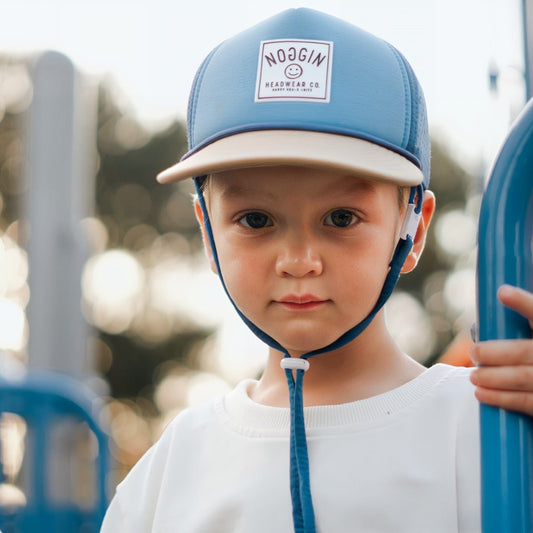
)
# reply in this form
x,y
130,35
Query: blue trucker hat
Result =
x,y
306,88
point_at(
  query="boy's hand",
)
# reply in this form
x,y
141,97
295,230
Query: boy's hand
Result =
x,y
505,376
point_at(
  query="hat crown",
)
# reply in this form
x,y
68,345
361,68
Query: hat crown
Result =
x,y
303,69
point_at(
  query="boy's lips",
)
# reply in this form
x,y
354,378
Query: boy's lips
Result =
x,y
301,302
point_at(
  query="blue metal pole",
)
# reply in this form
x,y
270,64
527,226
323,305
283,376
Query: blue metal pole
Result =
x,y
505,256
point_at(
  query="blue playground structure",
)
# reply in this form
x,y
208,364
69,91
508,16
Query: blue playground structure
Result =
x,y
45,402
505,256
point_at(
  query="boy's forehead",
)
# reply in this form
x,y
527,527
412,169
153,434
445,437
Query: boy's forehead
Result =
x,y
269,179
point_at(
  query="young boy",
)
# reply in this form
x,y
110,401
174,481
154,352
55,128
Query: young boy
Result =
x,y
310,151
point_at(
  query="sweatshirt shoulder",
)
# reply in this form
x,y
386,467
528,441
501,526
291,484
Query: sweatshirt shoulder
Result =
x,y
137,497
453,377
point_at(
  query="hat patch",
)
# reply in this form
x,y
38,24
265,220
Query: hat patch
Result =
x,y
294,70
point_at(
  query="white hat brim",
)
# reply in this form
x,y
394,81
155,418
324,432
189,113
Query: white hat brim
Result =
x,y
299,148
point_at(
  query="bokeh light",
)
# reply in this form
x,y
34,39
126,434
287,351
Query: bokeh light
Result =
x,y
456,231
233,352
113,284
204,385
185,288
12,445
12,325
410,325
95,233
14,294
460,295
16,89
13,267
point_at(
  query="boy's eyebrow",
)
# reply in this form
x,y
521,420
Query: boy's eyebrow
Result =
x,y
235,191
350,184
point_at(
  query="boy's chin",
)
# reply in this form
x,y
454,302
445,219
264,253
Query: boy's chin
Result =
x,y
299,348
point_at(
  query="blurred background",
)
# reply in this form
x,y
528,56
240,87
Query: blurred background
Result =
x,y
154,332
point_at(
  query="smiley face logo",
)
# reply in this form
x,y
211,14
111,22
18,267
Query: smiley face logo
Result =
x,y
293,71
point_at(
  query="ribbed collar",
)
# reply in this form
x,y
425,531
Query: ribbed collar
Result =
x,y
252,419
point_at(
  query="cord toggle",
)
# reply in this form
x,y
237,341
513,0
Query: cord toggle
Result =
x,y
294,363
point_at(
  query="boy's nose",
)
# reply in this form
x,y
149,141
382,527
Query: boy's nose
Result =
x,y
299,261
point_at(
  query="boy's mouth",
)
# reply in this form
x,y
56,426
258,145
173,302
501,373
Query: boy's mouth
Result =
x,y
301,302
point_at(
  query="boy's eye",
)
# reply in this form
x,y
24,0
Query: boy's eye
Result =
x,y
341,218
255,220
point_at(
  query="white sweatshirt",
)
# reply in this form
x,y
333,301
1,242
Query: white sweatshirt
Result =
x,y
403,461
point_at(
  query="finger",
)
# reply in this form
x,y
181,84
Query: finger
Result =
x,y
503,352
511,400
504,378
517,299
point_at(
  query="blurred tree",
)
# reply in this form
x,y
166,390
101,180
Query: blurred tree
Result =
x,y
137,212
134,209
15,96
130,157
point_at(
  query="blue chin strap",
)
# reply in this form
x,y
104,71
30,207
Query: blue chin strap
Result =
x,y
295,368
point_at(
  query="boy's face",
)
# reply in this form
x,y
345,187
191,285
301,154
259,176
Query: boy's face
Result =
x,y
303,252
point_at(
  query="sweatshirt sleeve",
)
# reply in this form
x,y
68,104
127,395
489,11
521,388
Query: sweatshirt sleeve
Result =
x,y
115,519
135,501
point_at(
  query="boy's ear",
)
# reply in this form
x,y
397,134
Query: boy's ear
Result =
x,y
207,247
428,208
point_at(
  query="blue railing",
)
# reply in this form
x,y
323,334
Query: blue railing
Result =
x,y
505,256
43,401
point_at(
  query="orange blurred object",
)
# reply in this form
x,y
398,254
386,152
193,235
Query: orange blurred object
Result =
x,y
458,351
